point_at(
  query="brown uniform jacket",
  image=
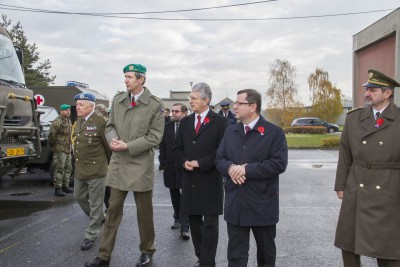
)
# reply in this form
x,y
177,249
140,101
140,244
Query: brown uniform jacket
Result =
x,y
368,172
142,128
91,150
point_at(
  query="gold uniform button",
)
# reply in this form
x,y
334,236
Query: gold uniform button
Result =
x,y
378,187
76,159
364,142
361,185
381,143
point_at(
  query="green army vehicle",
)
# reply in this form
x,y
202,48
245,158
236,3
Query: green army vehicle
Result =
x,y
19,128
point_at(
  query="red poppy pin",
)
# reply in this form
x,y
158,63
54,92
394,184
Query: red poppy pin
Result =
x,y
379,122
133,104
206,120
261,130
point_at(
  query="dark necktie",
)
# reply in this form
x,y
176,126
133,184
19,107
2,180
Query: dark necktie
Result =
x,y
198,123
176,128
247,129
377,115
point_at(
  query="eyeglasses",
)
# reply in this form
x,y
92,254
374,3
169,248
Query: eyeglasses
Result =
x,y
237,103
175,111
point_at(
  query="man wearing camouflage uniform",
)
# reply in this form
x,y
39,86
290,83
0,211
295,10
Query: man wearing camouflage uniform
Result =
x,y
60,142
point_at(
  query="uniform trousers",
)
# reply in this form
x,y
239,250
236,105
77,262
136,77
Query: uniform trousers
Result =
x,y
353,260
89,193
238,245
62,169
176,204
205,237
144,211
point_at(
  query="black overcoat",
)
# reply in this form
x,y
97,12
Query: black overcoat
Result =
x,y
264,150
172,170
202,191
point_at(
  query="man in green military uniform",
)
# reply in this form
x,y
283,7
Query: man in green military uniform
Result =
x,y
60,142
135,127
368,178
92,155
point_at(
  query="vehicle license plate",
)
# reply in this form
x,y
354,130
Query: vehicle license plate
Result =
x,y
12,152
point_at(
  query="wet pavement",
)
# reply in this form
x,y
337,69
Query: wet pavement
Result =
x,y
39,229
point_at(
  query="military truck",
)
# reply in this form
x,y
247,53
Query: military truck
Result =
x,y
49,99
19,128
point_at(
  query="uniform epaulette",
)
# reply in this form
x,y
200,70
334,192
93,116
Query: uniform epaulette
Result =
x,y
155,98
118,93
352,110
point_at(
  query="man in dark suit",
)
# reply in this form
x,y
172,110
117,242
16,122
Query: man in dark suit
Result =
x,y
92,155
227,113
252,155
172,170
198,138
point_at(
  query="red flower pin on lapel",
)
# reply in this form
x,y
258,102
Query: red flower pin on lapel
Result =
x,y
206,120
133,104
261,130
379,122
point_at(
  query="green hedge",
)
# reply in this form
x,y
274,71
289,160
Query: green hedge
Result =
x,y
305,130
330,141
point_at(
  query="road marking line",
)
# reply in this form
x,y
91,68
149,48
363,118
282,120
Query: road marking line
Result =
x,y
326,153
35,234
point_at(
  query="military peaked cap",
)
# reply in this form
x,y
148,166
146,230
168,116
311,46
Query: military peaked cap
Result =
x,y
377,79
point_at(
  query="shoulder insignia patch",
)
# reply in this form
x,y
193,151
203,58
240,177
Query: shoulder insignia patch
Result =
x,y
155,98
118,93
352,110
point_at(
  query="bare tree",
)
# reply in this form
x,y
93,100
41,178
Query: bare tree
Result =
x,y
283,103
326,98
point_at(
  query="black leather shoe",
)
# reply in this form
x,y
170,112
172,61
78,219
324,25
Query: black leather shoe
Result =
x,y
86,244
59,193
98,263
175,225
144,260
67,190
185,235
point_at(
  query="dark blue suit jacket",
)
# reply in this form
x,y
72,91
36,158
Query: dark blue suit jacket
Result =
x,y
256,202
231,117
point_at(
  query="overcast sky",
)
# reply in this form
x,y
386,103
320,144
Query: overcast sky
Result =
x,y
228,55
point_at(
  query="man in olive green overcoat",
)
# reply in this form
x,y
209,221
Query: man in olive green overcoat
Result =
x,y
92,155
134,128
368,178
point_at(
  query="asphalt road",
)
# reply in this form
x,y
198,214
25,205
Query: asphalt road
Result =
x,y
38,229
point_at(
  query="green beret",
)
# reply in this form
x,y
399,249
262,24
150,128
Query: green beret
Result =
x,y
65,106
135,68
377,79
